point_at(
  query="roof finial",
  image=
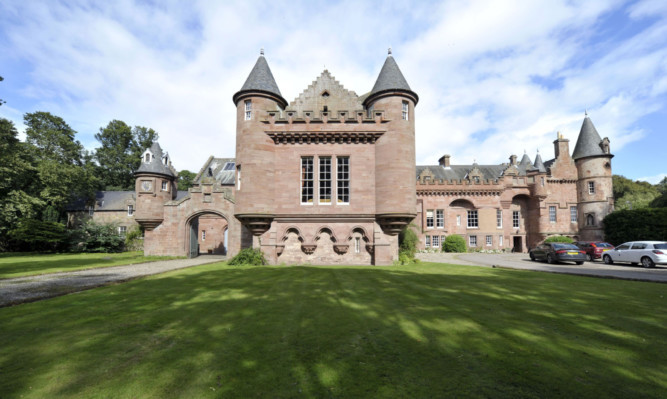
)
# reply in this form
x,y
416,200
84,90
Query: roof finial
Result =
x,y
585,112
261,51
389,52
538,150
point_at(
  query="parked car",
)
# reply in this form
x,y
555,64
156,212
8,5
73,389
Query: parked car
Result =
x,y
594,249
553,252
648,253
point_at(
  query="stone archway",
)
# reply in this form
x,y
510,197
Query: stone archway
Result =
x,y
206,233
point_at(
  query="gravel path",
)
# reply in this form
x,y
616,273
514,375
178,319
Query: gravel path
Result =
x,y
522,261
33,288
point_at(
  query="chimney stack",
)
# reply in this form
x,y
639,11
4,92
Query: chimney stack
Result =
x,y
444,160
513,160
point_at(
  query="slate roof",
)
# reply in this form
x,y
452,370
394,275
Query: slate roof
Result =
x,y
180,195
390,79
539,165
260,80
105,201
489,172
156,165
214,168
588,142
525,160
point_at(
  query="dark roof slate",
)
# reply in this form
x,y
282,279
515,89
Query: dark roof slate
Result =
x,y
390,79
214,168
588,142
539,165
106,201
156,165
261,79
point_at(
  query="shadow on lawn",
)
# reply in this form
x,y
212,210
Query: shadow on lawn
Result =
x,y
340,332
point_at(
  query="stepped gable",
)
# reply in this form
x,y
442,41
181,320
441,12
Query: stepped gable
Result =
x,y
157,164
588,142
326,91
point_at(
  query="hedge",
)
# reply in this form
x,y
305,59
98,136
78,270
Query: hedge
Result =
x,y
636,224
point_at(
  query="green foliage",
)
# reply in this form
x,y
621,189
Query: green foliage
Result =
x,y
454,243
96,237
120,153
407,241
50,214
559,239
636,224
133,239
661,201
185,179
248,256
630,194
37,235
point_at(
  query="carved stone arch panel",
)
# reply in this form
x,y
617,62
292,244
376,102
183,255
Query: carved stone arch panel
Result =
x,y
328,230
292,229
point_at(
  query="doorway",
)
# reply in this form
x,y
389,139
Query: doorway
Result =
x,y
207,235
518,244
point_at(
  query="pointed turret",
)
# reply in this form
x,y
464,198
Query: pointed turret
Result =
x,y
390,81
525,160
153,161
261,82
588,142
539,165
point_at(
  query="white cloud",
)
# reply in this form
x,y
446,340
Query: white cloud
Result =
x,y
653,179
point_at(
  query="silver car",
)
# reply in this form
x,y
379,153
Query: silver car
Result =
x,y
648,253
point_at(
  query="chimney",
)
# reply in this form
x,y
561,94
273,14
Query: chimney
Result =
x,y
512,159
444,160
561,146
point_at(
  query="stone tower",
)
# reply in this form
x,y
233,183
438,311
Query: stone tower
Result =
x,y
395,196
155,185
594,185
255,151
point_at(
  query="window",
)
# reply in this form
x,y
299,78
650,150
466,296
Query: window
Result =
x,y
428,241
429,219
343,180
542,181
307,180
590,220
500,241
552,214
573,214
499,218
357,245
436,241
473,221
325,180
440,218
148,157
248,110
130,210
591,187
489,241
122,229
229,166
238,177
473,241
165,186
515,219
405,110
203,235
458,220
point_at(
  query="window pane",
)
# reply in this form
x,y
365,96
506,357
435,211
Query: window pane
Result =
x,y
429,218
325,180
440,218
307,180
343,180
472,219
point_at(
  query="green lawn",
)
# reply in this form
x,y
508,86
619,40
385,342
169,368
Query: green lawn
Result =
x,y
20,265
423,331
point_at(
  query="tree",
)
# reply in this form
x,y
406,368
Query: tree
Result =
x,y
661,201
119,155
630,194
185,179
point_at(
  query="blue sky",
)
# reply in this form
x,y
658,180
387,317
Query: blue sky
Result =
x,y
495,78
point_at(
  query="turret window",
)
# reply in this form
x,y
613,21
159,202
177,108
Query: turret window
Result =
x,y
591,187
165,185
248,110
405,110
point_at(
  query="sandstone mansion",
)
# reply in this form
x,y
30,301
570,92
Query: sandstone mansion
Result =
x,y
330,178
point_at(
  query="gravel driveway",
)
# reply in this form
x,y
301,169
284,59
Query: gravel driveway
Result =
x,y
27,289
522,261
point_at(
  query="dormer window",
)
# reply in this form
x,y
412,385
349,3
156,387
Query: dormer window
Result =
x,y
248,110
147,157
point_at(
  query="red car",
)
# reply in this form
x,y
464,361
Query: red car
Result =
x,y
594,249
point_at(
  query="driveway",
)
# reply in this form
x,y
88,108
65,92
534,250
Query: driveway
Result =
x,y
521,261
27,289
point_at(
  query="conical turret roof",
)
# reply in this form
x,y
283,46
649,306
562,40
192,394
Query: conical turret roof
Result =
x,y
156,164
539,165
391,79
261,80
525,160
588,142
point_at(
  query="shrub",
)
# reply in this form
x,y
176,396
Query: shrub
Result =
x,y
454,243
96,237
407,241
133,239
248,256
638,224
37,235
559,239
